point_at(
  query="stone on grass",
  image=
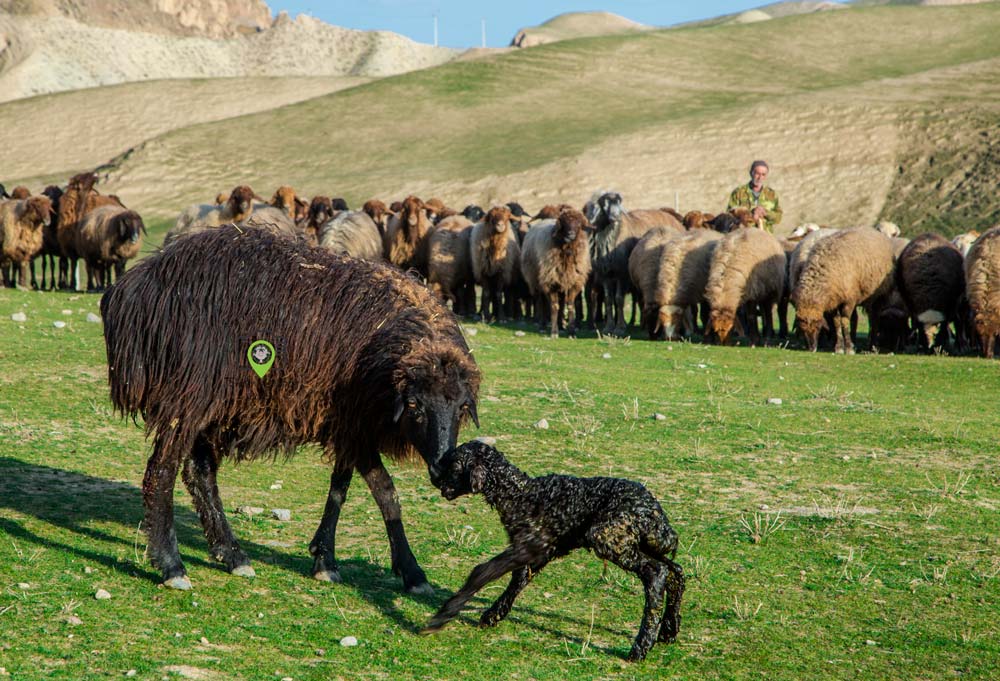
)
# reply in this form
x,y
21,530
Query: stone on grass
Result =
x,y
606,355
59,325
519,334
281,514
19,317
659,417
542,425
249,511
74,620
486,440
348,641
93,318
102,595
67,312
774,400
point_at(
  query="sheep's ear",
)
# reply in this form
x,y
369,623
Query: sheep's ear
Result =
x,y
477,478
738,326
473,413
398,409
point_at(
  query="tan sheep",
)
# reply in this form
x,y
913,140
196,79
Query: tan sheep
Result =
x,y
982,286
643,267
21,224
495,257
108,237
406,235
238,206
287,201
963,242
747,269
351,233
449,268
555,261
890,229
850,268
682,278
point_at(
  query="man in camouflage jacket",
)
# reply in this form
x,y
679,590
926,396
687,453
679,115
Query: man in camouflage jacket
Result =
x,y
759,199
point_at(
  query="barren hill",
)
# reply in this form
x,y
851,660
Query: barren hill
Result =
x,y
575,25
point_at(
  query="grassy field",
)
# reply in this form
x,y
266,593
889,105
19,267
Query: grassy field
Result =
x,y
849,532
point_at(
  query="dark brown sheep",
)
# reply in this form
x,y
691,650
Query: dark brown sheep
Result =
x,y
80,198
386,371
109,236
931,279
320,212
449,271
378,212
50,244
20,193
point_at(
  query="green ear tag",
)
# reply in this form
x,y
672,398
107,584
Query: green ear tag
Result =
x,y
261,357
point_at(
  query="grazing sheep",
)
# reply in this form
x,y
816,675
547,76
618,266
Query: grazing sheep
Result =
x,y
982,285
21,225
890,229
495,257
644,264
109,236
963,242
616,233
351,233
548,517
800,255
679,286
238,207
930,277
406,236
449,266
850,268
378,212
747,269
80,198
473,213
365,361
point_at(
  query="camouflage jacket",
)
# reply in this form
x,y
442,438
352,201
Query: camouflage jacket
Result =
x,y
768,198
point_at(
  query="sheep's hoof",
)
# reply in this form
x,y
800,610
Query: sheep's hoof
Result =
x,y
424,589
180,582
243,571
328,576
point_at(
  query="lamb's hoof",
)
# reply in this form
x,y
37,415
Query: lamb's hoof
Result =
x,y
434,626
635,655
423,589
243,571
181,582
489,619
328,576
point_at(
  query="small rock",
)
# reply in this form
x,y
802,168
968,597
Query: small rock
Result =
x,y
845,457
486,440
93,318
19,317
870,642
774,400
320,652
74,620
491,398
59,325
23,585
702,366
87,570
287,678
281,514
249,511
547,595
659,417
764,507
519,334
670,347
276,485
204,641
348,641
102,595
606,355
130,673
67,312
542,425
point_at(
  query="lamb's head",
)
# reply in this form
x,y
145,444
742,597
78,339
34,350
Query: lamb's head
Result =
x,y
436,386
890,229
744,217
465,469
498,219
320,210
37,211
339,204
284,198
473,213
240,202
129,227
570,226
722,322
810,321
20,193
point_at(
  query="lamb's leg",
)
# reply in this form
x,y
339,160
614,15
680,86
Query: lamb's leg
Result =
x,y
404,563
484,573
199,475
158,500
554,314
670,625
519,579
324,541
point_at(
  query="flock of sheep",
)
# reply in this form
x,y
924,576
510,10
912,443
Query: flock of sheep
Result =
x,y
549,264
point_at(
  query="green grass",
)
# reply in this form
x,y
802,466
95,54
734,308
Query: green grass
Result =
x,y
848,533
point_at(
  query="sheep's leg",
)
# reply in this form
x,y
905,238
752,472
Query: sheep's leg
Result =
x,y
783,317
768,314
571,297
199,475
34,281
519,579
620,328
404,563
324,541
484,302
63,272
158,500
484,573
24,277
554,314
670,625
498,308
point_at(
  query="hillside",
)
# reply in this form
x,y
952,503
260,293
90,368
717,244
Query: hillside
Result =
x,y
876,112
575,25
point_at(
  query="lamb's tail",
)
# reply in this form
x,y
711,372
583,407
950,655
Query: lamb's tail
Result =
x,y
660,539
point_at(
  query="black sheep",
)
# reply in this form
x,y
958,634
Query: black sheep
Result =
x,y
365,361
547,517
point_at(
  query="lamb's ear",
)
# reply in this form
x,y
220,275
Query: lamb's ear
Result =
x,y
477,477
398,409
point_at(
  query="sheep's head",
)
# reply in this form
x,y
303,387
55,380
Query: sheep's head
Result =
x,y
722,322
436,387
37,211
695,219
83,182
465,469
378,212
744,217
569,226
241,202
129,226
434,208
498,218
473,213
810,323
284,198
411,211
669,320
610,205
20,193
320,210
339,204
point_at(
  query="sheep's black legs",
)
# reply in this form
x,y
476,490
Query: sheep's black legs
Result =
x,y
322,545
670,625
484,573
404,563
199,474
571,323
519,579
158,500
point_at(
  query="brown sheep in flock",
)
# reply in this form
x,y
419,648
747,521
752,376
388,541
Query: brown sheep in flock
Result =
x,y
21,222
351,233
378,212
495,258
747,270
50,244
449,264
287,201
551,211
80,198
695,219
108,237
386,371
930,276
850,268
20,193
555,262
437,211
406,236
238,206
982,285
616,233
320,211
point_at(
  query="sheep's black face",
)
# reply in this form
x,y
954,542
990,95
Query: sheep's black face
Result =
x,y
611,205
431,421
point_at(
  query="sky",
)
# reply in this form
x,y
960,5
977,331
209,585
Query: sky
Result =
x,y
460,21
